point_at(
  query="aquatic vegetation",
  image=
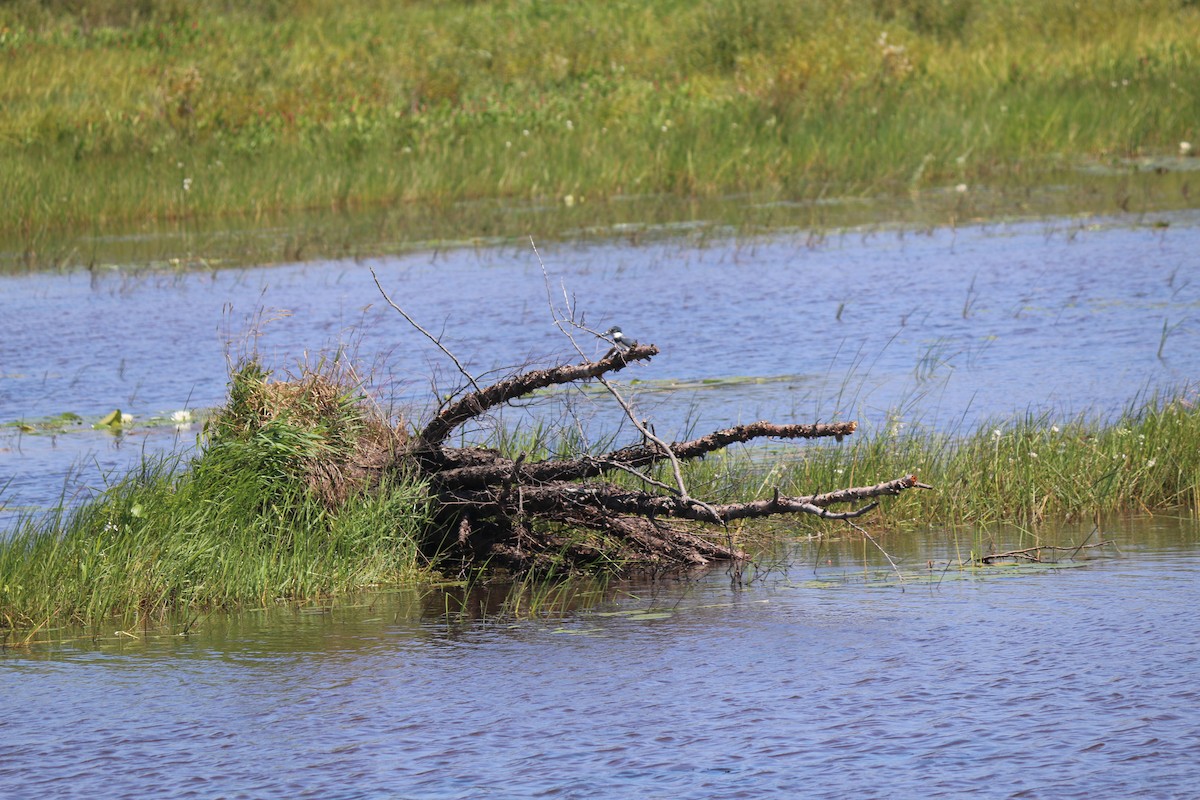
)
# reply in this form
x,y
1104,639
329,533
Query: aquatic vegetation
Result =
x,y
1028,470
274,508
180,116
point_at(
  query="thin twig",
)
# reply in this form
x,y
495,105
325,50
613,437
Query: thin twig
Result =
x,y
863,531
427,334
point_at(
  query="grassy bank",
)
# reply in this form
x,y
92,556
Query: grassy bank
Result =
x,y
276,507
171,115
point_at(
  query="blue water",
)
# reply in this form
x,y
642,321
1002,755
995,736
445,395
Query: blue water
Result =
x,y
809,682
942,329
816,680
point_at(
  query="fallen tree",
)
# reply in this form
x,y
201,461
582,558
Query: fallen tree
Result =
x,y
525,514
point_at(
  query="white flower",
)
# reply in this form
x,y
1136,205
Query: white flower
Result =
x,y
182,416
569,200
961,188
1185,148
187,184
996,434
1032,454
1152,462
570,125
1054,429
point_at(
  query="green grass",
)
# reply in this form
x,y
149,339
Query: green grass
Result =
x,y
268,511
185,116
1023,472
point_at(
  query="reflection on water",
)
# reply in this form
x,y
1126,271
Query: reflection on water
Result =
x,y
940,329
1073,683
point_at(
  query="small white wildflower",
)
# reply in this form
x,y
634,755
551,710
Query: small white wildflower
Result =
x,y
569,200
570,125
1032,454
126,418
996,434
187,184
1054,429
1185,148
1151,462
507,145
525,132
664,128
406,149
183,415
961,188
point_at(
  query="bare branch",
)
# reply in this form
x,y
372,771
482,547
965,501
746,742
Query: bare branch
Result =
x,y
480,473
558,496
427,334
479,401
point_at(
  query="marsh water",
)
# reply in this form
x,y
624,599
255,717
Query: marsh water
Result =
x,y
825,675
893,328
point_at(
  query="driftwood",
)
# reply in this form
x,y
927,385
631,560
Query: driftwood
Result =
x,y
529,514
522,513
1035,554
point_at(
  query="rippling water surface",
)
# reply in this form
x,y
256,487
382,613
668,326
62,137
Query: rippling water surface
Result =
x,y
809,682
942,329
816,680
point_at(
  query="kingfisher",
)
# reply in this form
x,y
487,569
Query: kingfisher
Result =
x,y
619,339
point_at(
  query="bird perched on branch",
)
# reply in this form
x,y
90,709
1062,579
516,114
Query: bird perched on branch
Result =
x,y
620,339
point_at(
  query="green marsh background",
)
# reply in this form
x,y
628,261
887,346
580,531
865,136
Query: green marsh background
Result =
x,y
361,127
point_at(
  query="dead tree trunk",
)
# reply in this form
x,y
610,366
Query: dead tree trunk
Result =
x,y
529,514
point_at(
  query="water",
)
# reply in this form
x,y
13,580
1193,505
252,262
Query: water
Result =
x,y
941,329
824,678
810,682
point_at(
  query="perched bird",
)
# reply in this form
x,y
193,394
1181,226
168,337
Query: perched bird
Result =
x,y
620,339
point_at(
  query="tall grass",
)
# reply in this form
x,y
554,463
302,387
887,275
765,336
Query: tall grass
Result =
x,y
160,113
264,513
1026,471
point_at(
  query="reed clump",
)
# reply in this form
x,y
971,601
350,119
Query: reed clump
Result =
x,y
168,114
287,500
1026,471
